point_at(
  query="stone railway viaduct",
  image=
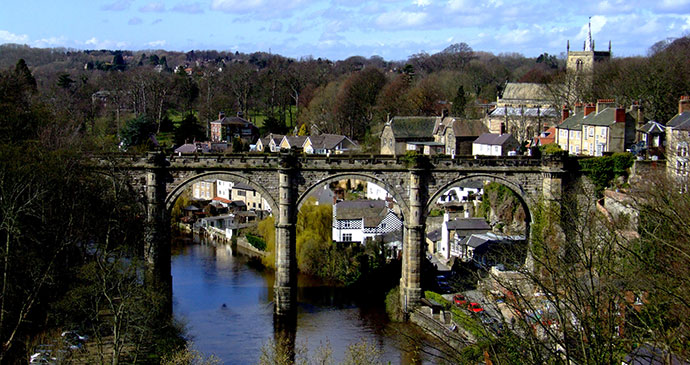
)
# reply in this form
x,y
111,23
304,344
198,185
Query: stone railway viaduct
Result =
x,y
286,179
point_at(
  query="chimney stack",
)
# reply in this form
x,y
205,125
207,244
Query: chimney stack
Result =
x,y
589,108
684,104
578,108
604,103
620,115
565,113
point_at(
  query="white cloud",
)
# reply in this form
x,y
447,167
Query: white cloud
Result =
x,y
156,44
422,3
94,43
401,19
50,42
674,6
7,37
156,7
117,5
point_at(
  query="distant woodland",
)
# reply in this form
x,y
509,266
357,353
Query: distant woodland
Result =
x,y
101,92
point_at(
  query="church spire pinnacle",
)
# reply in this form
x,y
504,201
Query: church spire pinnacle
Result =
x,y
589,44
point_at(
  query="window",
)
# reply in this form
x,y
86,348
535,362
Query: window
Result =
x,y
591,131
682,149
347,224
578,65
383,225
347,237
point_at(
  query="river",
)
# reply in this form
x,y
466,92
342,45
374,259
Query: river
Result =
x,y
227,308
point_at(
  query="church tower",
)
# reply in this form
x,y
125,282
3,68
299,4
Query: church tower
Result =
x,y
583,62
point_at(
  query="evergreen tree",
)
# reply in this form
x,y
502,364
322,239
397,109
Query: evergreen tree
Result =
x,y
459,103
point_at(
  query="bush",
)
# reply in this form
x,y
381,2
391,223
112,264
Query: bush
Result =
x,y
256,241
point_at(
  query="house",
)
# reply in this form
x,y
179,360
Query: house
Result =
x,y
491,144
326,144
652,134
598,129
376,192
249,196
204,190
226,129
454,231
224,189
401,133
222,224
195,147
489,249
356,221
458,135
292,141
677,139
270,143
523,110
546,137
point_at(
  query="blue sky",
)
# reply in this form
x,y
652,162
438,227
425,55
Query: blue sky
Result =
x,y
337,29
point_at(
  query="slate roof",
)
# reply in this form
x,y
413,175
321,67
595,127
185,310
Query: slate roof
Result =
x,y
372,211
233,121
468,127
413,127
493,139
573,122
243,186
276,139
521,91
653,127
680,121
329,141
186,148
434,235
469,224
297,141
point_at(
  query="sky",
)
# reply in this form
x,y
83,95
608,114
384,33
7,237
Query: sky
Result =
x,y
337,29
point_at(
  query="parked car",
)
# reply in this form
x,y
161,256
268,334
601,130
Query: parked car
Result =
x,y
459,300
43,354
74,340
475,307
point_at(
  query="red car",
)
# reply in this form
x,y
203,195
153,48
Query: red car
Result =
x,y
474,307
459,300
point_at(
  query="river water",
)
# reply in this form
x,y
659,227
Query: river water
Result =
x,y
227,307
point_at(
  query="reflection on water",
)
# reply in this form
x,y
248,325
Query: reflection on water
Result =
x,y
228,310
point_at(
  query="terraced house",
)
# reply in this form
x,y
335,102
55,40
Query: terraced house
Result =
x,y
597,129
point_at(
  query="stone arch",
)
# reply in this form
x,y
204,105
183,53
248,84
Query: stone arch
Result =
x,y
177,191
401,200
524,198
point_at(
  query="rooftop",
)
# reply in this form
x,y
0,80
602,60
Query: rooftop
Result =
x,y
372,211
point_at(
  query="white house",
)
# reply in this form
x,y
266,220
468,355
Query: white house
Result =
x,y
491,144
224,189
454,231
222,224
355,221
375,192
